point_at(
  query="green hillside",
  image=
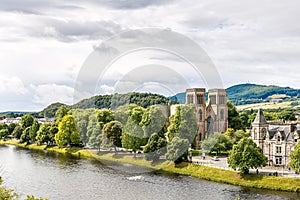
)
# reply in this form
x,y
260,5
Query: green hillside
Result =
x,y
252,93
113,101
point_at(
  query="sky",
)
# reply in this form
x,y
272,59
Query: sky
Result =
x,y
47,47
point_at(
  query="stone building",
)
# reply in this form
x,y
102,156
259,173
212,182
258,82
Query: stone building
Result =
x,y
276,139
212,115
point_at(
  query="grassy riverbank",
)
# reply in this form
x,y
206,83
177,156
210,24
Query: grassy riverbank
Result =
x,y
198,171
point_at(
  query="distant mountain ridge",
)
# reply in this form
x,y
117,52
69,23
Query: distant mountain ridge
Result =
x,y
250,93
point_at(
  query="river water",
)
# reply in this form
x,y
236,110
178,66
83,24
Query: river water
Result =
x,y
58,177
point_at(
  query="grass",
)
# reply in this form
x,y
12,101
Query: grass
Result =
x,y
198,171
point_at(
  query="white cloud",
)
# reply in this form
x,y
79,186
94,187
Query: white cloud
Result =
x,y
11,86
44,43
50,93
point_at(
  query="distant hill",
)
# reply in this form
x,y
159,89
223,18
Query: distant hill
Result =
x,y
50,110
113,101
251,93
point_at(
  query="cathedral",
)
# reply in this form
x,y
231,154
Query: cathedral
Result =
x,y
276,139
212,115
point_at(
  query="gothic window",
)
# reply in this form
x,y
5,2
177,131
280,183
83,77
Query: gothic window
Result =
x,y
263,133
190,99
200,115
222,117
213,99
200,99
222,100
255,134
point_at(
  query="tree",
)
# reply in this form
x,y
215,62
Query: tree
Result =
x,y
82,120
26,121
246,155
295,157
183,123
113,131
25,137
153,121
17,132
235,136
94,132
177,150
67,133
155,147
11,128
4,134
217,142
61,112
44,134
234,120
33,130
104,116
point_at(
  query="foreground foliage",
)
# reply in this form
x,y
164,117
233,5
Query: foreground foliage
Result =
x,y
246,155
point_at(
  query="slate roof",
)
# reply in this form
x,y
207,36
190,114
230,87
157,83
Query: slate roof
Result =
x,y
260,118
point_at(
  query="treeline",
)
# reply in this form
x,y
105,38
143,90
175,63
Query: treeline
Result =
x,y
129,126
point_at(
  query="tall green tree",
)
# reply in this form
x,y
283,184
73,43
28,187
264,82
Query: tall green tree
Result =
x,y
295,157
33,130
26,121
17,132
183,123
44,134
25,137
4,134
104,116
177,150
155,147
67,133
61,112
246,155
153,121
234,120
113,131
217,142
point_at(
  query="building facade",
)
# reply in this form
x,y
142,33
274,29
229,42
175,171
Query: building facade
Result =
x,y
277,140
212,115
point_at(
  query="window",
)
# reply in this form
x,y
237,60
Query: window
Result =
x,y
278,138
200,115
295,140
278,149
222,100
200,99
255,134
213,99
222,114
278,160
190,99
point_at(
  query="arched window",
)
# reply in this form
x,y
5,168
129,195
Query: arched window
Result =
x,y
222,114
200,115
263,133
255,134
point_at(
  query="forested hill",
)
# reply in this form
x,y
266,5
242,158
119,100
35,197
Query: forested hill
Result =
x,y
252,93
110,101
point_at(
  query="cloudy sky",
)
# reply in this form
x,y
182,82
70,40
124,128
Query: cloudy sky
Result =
x,y
45,44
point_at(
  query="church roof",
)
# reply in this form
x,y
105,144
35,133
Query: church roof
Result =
x,y
260,118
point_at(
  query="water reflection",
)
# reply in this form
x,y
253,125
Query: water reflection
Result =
x,y
57,176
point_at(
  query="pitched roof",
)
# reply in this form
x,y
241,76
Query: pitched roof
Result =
x,y
260,118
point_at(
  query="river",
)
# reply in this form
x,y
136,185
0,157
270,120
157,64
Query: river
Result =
x,y
58,177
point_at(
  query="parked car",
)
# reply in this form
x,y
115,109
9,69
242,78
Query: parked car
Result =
x,y
215,158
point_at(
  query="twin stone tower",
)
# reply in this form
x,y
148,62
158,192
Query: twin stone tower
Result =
x,y
212,115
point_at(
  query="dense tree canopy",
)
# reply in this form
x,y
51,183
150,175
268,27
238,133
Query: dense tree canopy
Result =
x,y
246,155
177,150
113,131
67,133
155,147
295,157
